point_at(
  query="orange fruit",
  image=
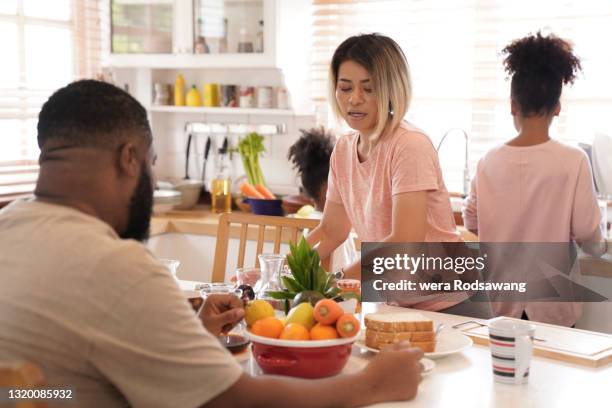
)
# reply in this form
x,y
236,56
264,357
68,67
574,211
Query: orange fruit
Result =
x,y
268,327
323,332
295,331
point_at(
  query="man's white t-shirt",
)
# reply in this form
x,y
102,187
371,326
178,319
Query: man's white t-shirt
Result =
x,y
101,315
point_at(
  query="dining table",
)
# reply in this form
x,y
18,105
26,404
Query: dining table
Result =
x,y
465,378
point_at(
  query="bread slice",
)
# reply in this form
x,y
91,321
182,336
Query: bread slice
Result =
x,y
426,346
392,337
398,322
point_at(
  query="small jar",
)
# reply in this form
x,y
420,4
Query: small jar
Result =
x,y
264,97
247,97
162,94
282,98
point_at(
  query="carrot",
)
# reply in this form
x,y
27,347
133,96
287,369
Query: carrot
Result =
x,y
263,190
250,191
327,311
347,325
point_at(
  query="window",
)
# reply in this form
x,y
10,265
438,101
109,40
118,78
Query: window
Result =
x,y
46,44
454,48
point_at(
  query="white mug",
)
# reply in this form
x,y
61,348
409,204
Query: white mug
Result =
x,y
511,349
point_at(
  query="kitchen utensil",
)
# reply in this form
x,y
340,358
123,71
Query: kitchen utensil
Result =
x,y
266,206
205,158
165,200
187,150
190,191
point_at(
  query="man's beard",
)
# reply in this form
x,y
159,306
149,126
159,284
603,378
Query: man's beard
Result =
x,y
141,207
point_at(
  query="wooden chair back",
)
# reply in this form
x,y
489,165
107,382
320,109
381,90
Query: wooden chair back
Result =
x,y
280,229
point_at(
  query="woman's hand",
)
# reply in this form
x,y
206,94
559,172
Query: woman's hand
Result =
x,y
332,231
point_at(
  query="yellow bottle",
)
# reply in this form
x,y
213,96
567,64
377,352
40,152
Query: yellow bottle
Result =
x,y
193,97
179,91
211,95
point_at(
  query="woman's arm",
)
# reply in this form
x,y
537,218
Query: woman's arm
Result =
x,y
586,216
332,231
408,224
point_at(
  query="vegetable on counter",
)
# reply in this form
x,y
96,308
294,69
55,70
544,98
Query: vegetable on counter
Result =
x,y
250,148
263,190
250,191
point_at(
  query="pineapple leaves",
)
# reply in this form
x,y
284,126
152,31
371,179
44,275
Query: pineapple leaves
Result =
x,y
308,274
292,285
281,294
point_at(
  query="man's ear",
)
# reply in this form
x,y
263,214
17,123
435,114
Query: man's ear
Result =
x,y
128,163
513,108
557,109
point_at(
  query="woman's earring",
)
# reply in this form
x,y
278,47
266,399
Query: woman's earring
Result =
x,y
391,109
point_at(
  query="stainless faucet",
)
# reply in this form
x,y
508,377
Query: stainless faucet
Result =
x,y
466,168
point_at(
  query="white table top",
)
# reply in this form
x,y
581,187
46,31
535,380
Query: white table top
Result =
x,y
466,379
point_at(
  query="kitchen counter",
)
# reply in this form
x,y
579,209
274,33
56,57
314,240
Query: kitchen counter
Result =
x,y
201,221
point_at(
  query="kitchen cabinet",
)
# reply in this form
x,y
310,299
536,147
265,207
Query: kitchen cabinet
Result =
x,y
181,34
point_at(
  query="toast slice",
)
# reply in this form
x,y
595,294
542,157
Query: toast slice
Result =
x,y
393,337
398,322
426,346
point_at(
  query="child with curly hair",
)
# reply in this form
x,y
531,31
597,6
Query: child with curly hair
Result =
x,y
310,156
533,188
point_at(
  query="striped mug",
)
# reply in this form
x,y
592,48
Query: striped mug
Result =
x,y
511,349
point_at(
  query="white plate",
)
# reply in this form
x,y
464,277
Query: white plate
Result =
x,y
448,342
428,365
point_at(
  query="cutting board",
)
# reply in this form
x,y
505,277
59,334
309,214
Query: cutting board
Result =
x,y
576,346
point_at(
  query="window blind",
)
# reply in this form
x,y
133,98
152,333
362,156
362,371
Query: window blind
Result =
x,y
454,48
47,44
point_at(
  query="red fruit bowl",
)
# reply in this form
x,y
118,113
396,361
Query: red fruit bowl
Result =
x,y
301,358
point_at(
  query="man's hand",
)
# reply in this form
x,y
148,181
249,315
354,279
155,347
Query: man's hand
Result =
x,y
393,375
221,312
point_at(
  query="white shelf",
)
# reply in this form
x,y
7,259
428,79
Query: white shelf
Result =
x,y
230,111
191,61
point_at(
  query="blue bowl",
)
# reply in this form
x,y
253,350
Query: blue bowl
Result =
x,y
265,207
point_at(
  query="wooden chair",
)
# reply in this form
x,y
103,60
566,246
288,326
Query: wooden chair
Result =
x,y
22,375
283,229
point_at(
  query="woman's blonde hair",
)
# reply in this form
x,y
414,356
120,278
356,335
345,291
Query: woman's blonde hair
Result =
x,y
386,63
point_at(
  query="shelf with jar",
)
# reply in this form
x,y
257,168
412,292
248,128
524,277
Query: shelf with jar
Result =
x,y
220,98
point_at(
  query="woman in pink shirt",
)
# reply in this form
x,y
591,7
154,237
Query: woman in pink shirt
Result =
x,y
532,188
385,179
